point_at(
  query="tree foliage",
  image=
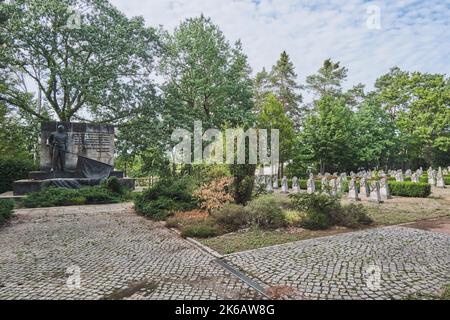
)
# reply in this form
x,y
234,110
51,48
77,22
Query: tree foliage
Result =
x,y
96,65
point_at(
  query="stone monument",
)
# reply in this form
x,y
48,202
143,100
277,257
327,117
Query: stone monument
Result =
x,y
310,184
375,195
284,185
385,193
73,155
295,185
352,190
440,183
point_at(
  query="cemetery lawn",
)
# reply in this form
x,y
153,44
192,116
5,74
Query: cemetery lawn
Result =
x,y
398,210
402,210
249,239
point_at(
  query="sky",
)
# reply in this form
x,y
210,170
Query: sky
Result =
x,y
367,37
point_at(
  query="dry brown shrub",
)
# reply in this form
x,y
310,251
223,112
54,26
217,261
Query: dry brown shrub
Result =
x,y
214,194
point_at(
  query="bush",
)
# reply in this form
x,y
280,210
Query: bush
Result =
x,y
214,194
6,209
323,211
266,212
12,169
54,197
320,210
166,197
231,217
410,189
113,185
353,215
243,182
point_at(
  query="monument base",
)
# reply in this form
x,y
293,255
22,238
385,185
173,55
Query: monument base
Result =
x,y
22,187
44,175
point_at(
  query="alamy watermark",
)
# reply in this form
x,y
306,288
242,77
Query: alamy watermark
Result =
x,y
373,21
227,146
74,279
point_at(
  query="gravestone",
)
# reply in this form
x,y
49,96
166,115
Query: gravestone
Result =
x,y
364,187
73,155
310,184
431,177
324,184
440,183
269,186
284,185
415,177
353,190
333,187
295,185
275,183
384,189
375,195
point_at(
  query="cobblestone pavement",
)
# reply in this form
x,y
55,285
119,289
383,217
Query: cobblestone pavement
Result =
x,y
118,255
382,263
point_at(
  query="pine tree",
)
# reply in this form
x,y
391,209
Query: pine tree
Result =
x,y
284,86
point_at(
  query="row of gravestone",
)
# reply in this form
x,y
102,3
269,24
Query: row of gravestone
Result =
x,y
374,190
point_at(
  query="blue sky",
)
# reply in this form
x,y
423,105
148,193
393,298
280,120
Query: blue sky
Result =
x,y
414,35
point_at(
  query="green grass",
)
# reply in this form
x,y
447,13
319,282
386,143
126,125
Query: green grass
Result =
x,y
389,216
256,238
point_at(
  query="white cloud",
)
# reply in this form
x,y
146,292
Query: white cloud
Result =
x,y
414,34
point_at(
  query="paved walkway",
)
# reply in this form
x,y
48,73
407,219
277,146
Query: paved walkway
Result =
x,y
117,254
382,263
109,252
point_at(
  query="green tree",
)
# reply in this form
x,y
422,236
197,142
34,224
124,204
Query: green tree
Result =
x,y
92,65
261,87
419,104
284,86
328,80
273,116
375,135
327,137
206,78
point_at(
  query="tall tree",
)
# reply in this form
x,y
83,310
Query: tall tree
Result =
x,y
273,116
420,105
284,86
328,80
327,137
88,59
375,135
206,78
261,87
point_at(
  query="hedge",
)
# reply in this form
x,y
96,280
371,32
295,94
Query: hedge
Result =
x,y
55,197
410,189
12,169
6,208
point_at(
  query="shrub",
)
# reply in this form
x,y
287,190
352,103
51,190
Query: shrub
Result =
x,y
12,169
113,185
320,209
166,197
323,211
266,212
6,209
292,217
54,197
214,194
353,215
231,217
243,182
410,189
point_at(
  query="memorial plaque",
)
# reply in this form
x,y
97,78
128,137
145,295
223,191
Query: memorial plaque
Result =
x,y
93,141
